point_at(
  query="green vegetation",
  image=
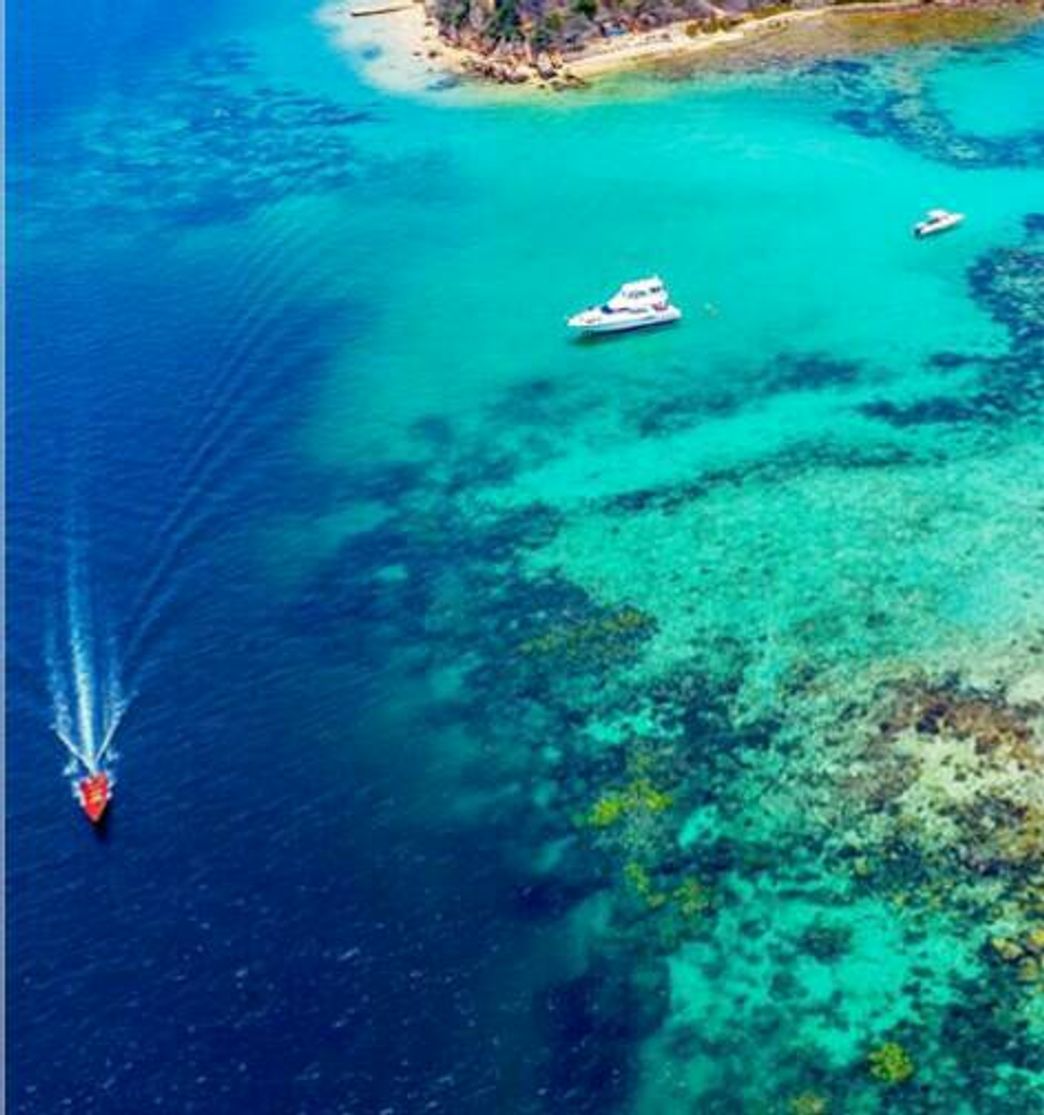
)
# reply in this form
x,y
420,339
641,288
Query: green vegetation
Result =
x,y
542,37
503,24
770,10
452,14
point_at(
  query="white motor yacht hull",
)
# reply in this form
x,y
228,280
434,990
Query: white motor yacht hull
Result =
x,y
933,228
594,321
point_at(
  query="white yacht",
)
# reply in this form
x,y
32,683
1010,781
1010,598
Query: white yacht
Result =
x,y
937,220
634,306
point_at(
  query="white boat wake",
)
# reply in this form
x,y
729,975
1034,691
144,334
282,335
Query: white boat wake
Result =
x,y
87,695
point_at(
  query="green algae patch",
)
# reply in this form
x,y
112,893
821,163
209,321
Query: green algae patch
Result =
x,y
603,638
641,796
606,811
638,879
688,902
632,824
692,899
808,1103
891,1064
660,895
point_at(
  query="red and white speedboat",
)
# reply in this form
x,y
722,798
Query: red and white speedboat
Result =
x,y
94,793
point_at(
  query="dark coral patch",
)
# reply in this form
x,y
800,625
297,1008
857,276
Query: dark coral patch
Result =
x,y
1009,283
901,106
950,361
533,401
786,372
200,144
808,372
433,430
1033,223
680,412
775,469
925,412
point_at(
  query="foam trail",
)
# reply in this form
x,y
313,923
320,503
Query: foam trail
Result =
x,y
116,702
61,705
82,655
88,698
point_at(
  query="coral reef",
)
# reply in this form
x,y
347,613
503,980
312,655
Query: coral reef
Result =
x,y
792,811
771,860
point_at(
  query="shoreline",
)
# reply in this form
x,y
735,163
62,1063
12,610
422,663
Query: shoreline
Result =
x,y
399,49
674,44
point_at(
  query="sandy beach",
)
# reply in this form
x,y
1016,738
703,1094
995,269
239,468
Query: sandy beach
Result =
x,y
398,48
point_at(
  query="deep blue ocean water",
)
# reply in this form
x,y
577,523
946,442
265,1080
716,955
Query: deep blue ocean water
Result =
x,y
255,930
252,931
309,896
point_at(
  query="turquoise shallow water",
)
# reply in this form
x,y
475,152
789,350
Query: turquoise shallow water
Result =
x,y
677,699
1008,75
816,492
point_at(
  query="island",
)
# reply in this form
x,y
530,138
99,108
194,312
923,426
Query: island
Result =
x,y
560,44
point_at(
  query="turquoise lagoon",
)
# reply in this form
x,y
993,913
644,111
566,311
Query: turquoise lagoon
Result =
x,y
731,634
819,491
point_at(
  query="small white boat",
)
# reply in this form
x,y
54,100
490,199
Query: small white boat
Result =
x,y
937,220
635,305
